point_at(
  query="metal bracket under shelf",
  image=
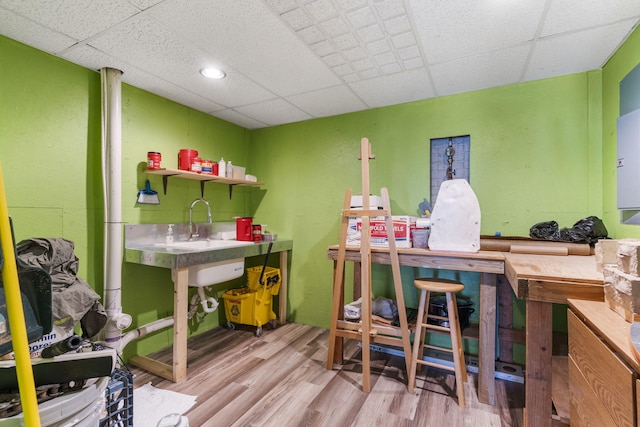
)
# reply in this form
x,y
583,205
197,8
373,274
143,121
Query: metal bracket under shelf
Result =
x,y
165,182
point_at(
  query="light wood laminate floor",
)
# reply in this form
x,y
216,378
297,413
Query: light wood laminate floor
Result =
x,y
280,379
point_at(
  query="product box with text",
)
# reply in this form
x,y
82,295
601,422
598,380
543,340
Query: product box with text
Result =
x,y
379,237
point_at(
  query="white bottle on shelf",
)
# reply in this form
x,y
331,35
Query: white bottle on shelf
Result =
x,y
229,169
222,168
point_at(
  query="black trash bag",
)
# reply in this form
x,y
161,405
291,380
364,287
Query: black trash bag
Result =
x,y
592,228
587,230
545,230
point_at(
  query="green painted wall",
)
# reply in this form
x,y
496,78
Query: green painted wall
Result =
x,y
539,150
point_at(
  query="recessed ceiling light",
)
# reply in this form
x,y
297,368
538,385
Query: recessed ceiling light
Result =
x,y
213,73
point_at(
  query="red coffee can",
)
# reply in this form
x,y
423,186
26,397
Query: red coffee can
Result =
x,y
185,158
256,232
154,160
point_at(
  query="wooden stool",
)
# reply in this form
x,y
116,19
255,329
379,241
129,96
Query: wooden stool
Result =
x,y
449,287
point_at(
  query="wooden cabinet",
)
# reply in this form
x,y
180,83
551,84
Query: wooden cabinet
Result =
x,y
603,372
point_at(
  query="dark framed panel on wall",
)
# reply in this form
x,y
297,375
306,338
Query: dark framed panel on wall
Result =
x,y
449,160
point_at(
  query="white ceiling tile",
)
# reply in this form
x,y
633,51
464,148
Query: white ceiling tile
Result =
x,y
570,15
403,40
391,68
323,48
93,59
398,25
394,89
412,64
385,58
73,17
455,29
286,65
13,26
274,112
370,33
355,54
379,46
321,9
362,17
311,35
335,27
364,64
297,19
333,60
348,5
390,8
346,41
343,69
479,72
368,74
142,41
276,49
409,52
239,119
576,52
281,6
328,102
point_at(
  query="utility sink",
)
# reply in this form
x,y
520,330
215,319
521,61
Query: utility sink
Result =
x,y
215,272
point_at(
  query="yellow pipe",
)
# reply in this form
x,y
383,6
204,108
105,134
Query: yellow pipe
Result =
x,y
15,311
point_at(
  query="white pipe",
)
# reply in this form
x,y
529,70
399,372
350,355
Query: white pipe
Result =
x,y
144,330
111,80
205,301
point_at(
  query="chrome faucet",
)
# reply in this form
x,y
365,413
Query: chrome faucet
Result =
x,y
191,233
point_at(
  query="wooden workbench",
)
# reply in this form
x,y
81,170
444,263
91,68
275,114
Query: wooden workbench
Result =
x,y
488,263
542,280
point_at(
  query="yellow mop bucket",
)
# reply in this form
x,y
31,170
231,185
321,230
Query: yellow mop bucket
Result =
x,y
252,305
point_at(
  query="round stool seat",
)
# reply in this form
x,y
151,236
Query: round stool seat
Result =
x,y
438,285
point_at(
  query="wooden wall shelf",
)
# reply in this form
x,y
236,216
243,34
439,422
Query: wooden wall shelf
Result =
x,y
203,178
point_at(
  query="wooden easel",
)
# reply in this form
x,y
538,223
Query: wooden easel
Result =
x,y
366,331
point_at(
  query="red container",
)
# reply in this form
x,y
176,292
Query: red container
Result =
x,y
214,169
256,231
154,160
185,158
243,229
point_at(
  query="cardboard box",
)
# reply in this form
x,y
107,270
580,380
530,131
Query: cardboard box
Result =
x,y
379,237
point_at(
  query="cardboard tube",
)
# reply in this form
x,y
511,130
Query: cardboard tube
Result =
x,y
540,250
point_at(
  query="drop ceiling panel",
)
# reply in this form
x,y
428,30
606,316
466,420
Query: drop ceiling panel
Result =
x,y
456,29
290,60
398,88
274,112
73,17
247,36
570,15
575,52
30,33
481,71
328,102
239,119
143,41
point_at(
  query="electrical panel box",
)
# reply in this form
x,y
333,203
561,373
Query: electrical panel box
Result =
x,y
628,160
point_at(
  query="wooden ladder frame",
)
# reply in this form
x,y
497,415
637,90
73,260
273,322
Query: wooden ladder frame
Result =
x,y
366,331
